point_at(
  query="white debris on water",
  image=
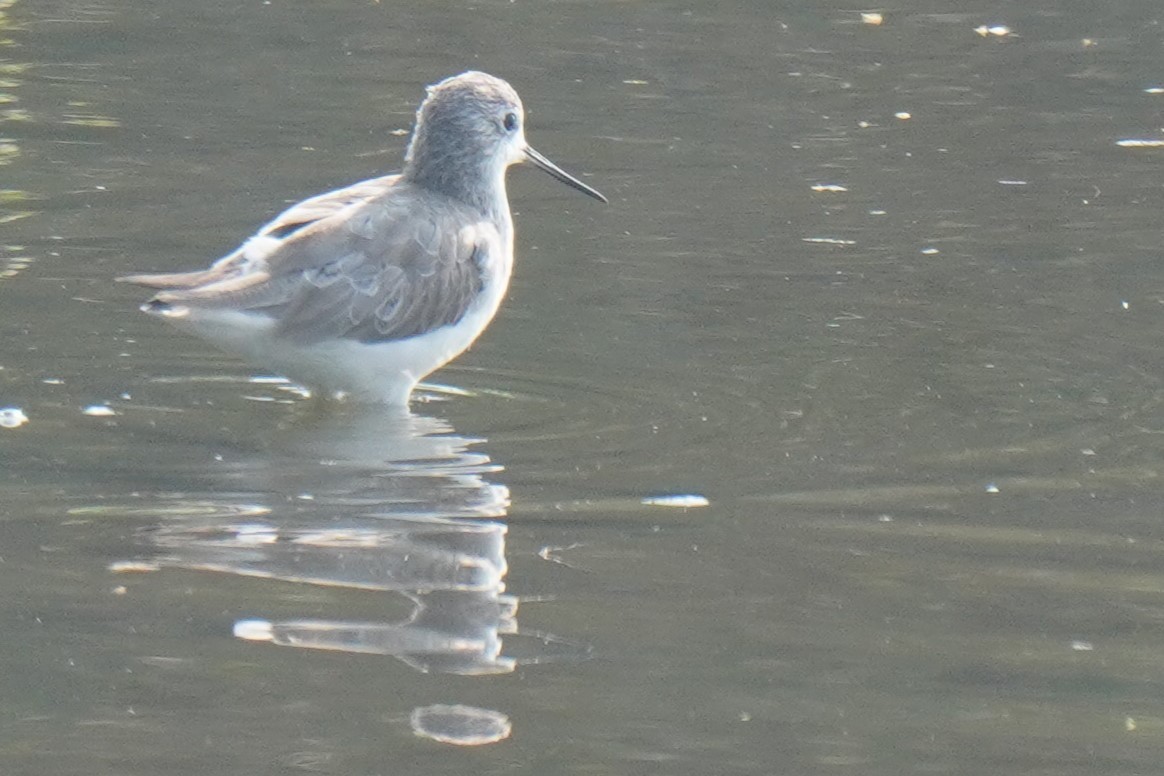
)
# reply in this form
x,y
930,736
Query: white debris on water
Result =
x,y
99,411
994,30
677,500
12,417
132,567
254,630
827,241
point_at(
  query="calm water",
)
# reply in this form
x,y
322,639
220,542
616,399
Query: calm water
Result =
x,y
888,297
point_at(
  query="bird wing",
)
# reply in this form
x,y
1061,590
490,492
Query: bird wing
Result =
x,y
297,217
377,261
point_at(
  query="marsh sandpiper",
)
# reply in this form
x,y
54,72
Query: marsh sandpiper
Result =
x,y
362,291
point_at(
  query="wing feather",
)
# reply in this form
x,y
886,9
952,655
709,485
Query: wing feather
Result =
x,y
376,261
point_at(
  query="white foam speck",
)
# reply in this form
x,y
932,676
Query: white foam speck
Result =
x,y
677,500
12,417
254,630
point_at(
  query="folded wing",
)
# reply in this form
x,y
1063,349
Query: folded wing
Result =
x,y
372,262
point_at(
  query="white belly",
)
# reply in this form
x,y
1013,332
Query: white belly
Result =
x,y
372,372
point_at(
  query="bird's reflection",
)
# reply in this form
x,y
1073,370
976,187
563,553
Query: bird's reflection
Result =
x,y
392,461
400,554
371,500
450,631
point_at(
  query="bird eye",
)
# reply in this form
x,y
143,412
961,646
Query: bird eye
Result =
x,y
510,122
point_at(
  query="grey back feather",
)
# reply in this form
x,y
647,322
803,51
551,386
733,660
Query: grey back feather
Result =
x,y
380,260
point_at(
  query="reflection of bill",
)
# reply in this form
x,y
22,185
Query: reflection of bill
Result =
x,y
451,631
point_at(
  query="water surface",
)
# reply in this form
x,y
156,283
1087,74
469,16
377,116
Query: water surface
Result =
x,y
887,296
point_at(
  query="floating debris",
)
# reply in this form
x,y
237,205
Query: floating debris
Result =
x,y
12,417
904,115
460,725
99,411
254,630
13,265
829,187
995,30
992,488
1082,646
1139,143
132,567
930,251
872,18
679,500
91,120
828,241
1012,182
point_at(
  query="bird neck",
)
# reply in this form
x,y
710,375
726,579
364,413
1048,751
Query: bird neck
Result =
x,y
481,186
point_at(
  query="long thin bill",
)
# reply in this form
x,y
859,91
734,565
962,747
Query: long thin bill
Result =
x,y
555,171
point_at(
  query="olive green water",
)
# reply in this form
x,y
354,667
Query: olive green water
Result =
x,y
888,297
